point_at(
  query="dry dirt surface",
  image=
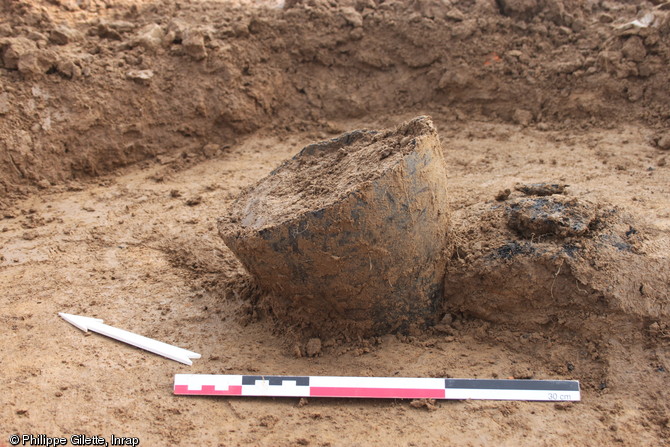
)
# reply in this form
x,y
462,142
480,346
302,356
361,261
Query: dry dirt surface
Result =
x,y
127,128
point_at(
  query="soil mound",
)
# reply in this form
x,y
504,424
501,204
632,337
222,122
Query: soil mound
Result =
x,y
557,261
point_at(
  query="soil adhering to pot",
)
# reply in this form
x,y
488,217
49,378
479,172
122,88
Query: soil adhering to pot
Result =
x,y
350,235
127,128
323,173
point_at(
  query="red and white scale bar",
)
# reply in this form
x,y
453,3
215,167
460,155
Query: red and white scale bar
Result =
x,y
375,387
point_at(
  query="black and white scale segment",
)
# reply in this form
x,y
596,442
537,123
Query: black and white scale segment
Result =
x,y
376,387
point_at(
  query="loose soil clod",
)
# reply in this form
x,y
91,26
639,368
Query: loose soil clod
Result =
x,y
550,216
541,189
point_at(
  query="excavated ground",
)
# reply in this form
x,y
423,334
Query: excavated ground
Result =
x,y
128,127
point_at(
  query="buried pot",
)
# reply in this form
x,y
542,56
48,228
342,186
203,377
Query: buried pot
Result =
x,y
349,235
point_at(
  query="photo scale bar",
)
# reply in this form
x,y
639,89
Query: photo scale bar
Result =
x,y
376,387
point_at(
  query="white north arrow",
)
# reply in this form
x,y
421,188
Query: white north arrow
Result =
x,y
157,347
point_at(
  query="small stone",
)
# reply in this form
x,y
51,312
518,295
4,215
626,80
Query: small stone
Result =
x,y
28,236
194,45
268,421
210,150
313,347
522,372
176,30
37,62
428,404
140,76
565,30
64,35
634,50
193,201
105,32
522,117
605,18
563,406
151,36
68,68
44,184
15,49
569,65
121,26
663,142
503,195
455,14
443,329
114,30
353,17
363,4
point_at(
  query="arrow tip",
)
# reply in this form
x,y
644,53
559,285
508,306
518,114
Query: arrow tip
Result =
x,y
78,321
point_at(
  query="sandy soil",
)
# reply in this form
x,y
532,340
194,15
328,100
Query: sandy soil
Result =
x,y
110,209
